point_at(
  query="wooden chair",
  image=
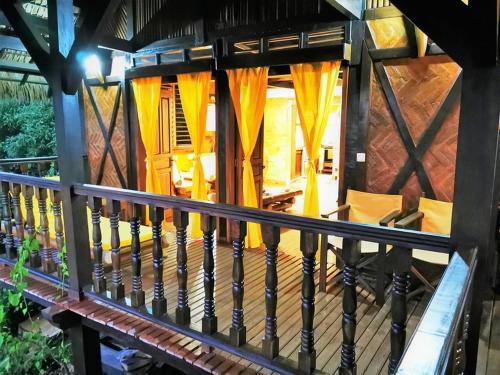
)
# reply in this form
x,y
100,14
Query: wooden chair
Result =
x,y
364,208
435,217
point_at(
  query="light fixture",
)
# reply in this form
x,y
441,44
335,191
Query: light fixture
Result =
x,y
92,66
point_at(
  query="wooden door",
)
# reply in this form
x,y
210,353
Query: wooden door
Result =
x,y
163,151
257,164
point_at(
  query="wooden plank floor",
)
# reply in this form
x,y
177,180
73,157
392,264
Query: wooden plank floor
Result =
x,y
372,335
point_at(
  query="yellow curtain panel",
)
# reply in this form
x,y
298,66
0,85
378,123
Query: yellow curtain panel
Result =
x,y
421,42
194,89
314,91
147,97
248,91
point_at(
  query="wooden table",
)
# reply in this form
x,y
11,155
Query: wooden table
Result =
x,y
280,201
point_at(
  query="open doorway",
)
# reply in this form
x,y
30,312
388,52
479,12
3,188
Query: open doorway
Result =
x,y
285,158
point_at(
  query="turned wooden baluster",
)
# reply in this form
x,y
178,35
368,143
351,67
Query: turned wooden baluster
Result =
x,y
270,342
34,258
137,295
48,264
56,200
401,277
9,245
95,205
117,288
351,253
159,303
238,331
18,215
182,312
307,353
209,320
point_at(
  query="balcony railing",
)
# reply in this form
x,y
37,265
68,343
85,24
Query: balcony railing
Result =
x,y
38,166
112,291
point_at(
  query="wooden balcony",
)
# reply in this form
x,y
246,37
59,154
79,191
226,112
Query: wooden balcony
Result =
x,y
222,309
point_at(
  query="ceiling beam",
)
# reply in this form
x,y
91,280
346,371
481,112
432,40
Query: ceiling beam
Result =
x,y
11,42
29,35
18,67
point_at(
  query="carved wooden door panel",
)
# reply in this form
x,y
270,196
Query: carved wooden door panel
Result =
x,y
163,152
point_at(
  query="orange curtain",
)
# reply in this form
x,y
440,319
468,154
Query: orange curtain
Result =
x,y
194,89
248,91
421,42
147,97
314,91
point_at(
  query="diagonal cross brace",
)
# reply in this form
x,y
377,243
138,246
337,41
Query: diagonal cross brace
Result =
x,y
106,136
429,135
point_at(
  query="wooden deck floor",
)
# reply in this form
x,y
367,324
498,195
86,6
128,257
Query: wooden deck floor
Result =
x,y
372,335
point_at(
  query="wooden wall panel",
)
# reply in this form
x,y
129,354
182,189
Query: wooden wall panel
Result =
x,y
420,86
388,32
105,100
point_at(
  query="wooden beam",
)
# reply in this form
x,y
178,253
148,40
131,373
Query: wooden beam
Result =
x,y
18,67
29,35
111,42
11,42
169,69
352,9
384,12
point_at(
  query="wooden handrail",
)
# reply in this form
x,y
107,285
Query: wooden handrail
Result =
x,y
438,342
392,236
38,159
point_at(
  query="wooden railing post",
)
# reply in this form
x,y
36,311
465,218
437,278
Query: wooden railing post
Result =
x,y
156,215
270,342
28,192
7,221
117,288
209,320
351,253
182,312
137,295
48,264
402,265
56,200
307,353
99,281
238,331
18,215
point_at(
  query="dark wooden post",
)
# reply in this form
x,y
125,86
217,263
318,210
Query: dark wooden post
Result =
x,y
270,342
401,281
156,215
7,221
137,295
238,331
117,288
99,281
307,353
18,215
182,312
351,252
48,264
56,199
209,320
28,192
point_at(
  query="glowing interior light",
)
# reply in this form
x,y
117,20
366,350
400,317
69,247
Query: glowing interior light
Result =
x,y
92,66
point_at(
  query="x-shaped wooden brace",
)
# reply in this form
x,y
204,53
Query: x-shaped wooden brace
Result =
x,y
107,136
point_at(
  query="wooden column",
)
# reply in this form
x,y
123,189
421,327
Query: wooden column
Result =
x,y
156,215
137,295
182,312
401,281
477,181
18,215
209,320
351,252
7,221
307,353
270,342
238,331
28,192
117,288
99,281
56,199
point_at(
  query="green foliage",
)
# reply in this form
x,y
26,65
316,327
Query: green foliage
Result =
x,y
26,129
31,352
